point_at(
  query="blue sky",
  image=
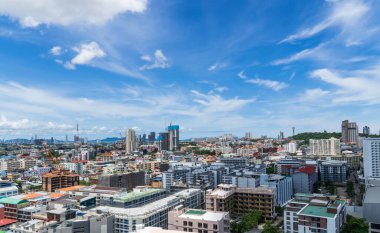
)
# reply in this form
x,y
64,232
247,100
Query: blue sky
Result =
x,y
213,67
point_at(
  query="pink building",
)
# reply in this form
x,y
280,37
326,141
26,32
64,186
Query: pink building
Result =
x,y
199,221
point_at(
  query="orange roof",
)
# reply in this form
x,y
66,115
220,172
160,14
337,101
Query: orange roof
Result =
x,y
71,188
56,195
31,196
6,221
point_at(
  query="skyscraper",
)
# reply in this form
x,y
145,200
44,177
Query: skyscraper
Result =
x,y
248,135
173,137
130,141
366,130
350,132
371,154
163,141
152,137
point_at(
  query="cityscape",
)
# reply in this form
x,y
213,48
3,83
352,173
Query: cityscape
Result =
x,y
204,116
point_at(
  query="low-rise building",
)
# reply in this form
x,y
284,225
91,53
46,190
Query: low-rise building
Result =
x,y
196,220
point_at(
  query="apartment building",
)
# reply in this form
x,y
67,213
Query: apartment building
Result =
x,y
138,197
174,176
239,201
309,213
196,220
325,147
235,162
333,171
371,155
283,186
353,160
152,214
8,191
304,179
12,205
287,167
58,179
127,180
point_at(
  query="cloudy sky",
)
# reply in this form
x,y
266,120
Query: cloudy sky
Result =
x,y
213,67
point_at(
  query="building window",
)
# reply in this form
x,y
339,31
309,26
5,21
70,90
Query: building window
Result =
x,y
215,226
205,225
185,223
190,224
200,225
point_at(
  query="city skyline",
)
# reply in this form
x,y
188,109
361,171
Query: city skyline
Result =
x,y
211,67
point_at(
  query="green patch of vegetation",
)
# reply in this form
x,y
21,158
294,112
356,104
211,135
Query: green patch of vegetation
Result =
x,y
270,228
248,222
350,188
316,135
270,169
357,225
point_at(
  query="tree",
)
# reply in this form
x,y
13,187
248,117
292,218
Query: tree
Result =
x,y
248,222
279,210
270,169
357,225
350,188
269,228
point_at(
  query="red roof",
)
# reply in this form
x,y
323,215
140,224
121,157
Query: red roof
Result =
x,y
307,169
6,221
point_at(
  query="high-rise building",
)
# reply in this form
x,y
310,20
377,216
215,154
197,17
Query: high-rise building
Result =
x,y
173,137
248,135
281,136
152,137
371,154
130,141
366,130
325,146
350,132
163,141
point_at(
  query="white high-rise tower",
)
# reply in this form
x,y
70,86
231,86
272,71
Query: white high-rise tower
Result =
x,y
130,141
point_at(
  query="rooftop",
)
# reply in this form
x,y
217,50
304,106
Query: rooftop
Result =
x,y
139,211
11,201
125,197
203,215
76,187
320,211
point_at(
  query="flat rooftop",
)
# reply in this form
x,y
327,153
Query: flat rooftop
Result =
x,y
144,210
319,211
125,197
203,215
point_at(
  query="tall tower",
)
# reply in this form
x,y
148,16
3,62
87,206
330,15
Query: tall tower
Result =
x,y
294,129
350,132
173,131
130,141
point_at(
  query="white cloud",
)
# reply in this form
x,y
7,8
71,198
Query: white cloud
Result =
x,y
314,94
60,12
212,103
86,53
313,52
221,89
360,86
242,75
56,51
217,66
272,84
158,61
348,14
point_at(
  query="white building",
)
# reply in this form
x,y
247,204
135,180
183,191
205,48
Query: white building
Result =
x,y
325,146
153,214
291,147
309,213
8,191
371,154
130,141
